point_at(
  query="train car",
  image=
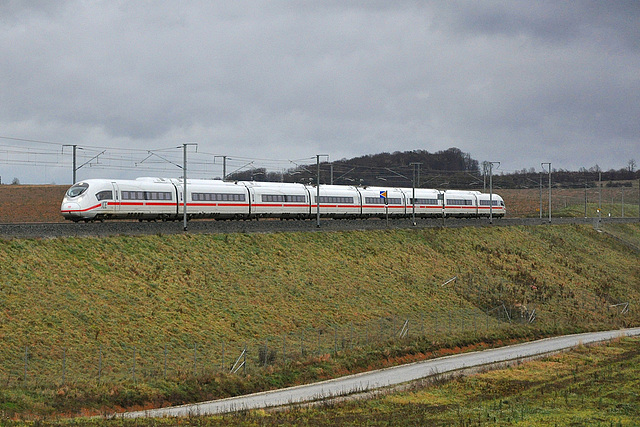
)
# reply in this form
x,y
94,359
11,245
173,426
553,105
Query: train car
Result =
x,y
461,204
336,201
279,200
491,205
380,202
215,199
99,199
428,202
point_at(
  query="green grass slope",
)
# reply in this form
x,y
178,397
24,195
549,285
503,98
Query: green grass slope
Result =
x,y
79,314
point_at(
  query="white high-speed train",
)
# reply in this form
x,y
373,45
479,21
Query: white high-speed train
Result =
x,y
163,199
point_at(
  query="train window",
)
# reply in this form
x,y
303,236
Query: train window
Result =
x,y
381,200
486,203
104,195
216,197
335,199
424,201
133,195
273,198
290,198
460,202
295,198
158,195
77,189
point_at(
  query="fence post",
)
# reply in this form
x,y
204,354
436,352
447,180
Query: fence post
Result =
x,y
266,352
366,326
195,359
164,374
134,365
393,331
222,355
100,365
26,355
64,364
284,349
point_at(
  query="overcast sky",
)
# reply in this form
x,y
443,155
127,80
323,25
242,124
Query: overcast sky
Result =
x,y
520,82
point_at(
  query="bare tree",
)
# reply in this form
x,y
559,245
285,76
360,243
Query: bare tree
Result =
x,y
632,165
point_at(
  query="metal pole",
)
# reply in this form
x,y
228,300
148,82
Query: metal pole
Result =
x,y
491,190
74,163
549,193
318,189
540,196
75,147
413,195
490,193
224,168
542,164
599,196
184,184
318,192
415,182
184,180
585,198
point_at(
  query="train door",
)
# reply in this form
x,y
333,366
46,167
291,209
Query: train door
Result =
x,y
308,193
116,197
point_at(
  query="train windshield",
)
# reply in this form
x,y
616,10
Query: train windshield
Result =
x,y
77,189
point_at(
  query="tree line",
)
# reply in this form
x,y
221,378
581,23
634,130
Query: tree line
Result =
x,y
448,169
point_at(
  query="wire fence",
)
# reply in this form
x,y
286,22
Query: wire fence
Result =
x,y
41,366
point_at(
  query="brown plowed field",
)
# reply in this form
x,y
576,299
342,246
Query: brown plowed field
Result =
x,y
31,203
41,203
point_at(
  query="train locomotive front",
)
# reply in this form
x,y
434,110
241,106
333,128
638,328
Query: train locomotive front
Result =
x,y
86,200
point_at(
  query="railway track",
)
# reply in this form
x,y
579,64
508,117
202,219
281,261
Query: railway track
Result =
x,y
133,228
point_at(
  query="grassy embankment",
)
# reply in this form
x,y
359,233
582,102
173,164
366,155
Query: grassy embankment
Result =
x,y
69,307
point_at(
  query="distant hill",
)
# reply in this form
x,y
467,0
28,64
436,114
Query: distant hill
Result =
x,y
452,167
447,169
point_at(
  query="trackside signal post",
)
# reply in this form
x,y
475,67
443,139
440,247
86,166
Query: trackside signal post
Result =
x,y
383,195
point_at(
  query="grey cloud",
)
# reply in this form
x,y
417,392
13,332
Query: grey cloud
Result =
x,y
496,79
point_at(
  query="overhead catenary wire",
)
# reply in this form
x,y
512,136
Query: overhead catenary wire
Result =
x,y
39,153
